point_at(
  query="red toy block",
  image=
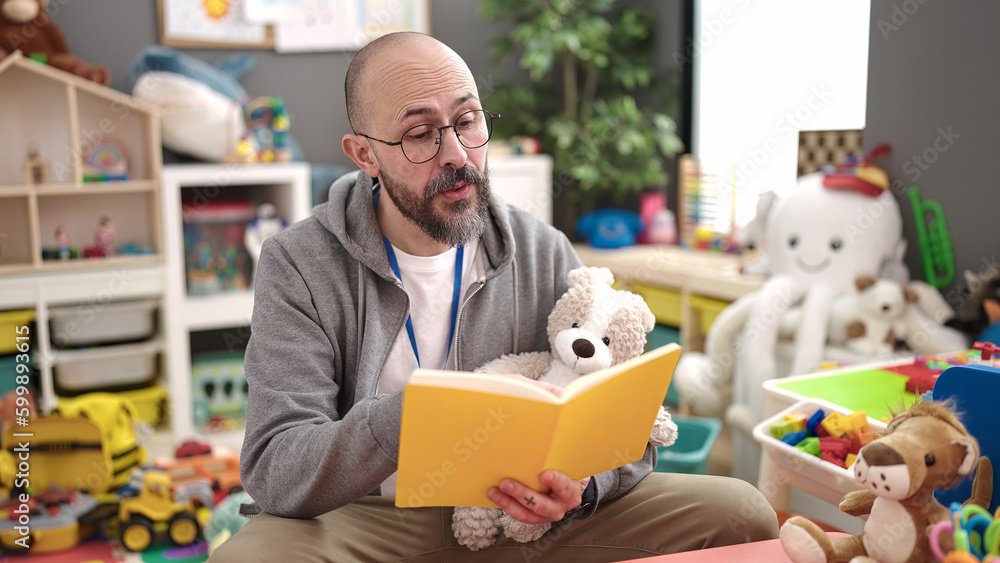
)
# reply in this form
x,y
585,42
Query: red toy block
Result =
x,y
921,383
829,456
839,447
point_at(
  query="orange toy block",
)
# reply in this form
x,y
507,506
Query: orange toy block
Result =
x,y
855,423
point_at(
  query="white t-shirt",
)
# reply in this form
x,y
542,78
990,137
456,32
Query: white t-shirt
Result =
x,y
430,283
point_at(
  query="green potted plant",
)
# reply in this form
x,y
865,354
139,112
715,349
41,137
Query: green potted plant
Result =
x,y
588,62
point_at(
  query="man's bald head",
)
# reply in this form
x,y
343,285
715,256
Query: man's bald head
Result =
x,y
355,85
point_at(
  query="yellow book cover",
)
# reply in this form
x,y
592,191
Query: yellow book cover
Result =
x,y
463,432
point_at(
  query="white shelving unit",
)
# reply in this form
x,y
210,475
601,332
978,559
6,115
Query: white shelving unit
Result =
x,y
87,291
59,130
65,119
287,187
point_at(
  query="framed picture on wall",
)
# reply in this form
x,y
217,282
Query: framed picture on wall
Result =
x,y
210,24
287,26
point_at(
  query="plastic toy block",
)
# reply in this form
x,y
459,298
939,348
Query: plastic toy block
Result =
x,y
855,444
794,438
986,350
782,428
821,431
834,425
815,420
855,423
921,383
829,456
867,437
797,419
809,445
837,446
849,460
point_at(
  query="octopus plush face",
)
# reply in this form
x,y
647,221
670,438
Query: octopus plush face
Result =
x,y
594,326
818,235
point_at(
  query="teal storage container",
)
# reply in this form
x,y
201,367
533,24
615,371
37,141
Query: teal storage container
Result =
x,y
661,336
689,454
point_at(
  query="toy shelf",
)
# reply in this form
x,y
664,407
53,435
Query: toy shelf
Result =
x,y
197,313
74,151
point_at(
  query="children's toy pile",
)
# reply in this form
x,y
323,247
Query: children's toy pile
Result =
x,y
832,437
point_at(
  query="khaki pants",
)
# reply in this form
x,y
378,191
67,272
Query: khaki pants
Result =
x,y
664,513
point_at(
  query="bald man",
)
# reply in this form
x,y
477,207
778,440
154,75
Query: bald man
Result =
x,y
415,262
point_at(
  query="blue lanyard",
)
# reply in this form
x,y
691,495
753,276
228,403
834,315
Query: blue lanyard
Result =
x,y
394,264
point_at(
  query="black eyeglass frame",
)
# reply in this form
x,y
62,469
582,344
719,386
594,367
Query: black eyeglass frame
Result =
x,y
399,143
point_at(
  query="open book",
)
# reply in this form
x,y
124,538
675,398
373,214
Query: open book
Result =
x,y
463,432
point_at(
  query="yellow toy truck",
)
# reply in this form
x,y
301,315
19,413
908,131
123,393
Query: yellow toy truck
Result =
x,y
154,509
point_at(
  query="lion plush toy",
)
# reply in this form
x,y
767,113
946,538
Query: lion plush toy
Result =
x,y
591,327
925,448
25,26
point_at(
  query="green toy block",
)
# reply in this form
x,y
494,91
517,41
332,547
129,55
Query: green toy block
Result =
x,y
810,446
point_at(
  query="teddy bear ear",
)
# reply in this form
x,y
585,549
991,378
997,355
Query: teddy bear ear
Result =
x,y
864,282
910,295
971,456
648,319
590,276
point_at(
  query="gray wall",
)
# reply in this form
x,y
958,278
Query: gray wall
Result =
x,y
933,93
112,32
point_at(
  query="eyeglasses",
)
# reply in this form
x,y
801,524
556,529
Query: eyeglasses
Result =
x,y
421,143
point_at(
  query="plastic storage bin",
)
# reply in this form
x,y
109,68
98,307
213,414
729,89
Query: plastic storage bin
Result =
x,y
805,471
661,336
111,367
218,391
9,323
123,321
216,259
8,373
689,454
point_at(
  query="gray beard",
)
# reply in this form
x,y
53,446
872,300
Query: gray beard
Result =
x,y
462,224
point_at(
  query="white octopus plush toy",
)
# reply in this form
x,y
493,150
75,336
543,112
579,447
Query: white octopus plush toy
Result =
x,y
818,239
591,327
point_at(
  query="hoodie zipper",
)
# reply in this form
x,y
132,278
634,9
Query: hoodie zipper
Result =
x,y
458,324
378,378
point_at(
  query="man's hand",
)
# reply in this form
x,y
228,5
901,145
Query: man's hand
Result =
x,y
532,507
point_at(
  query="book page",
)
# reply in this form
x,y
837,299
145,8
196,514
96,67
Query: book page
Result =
x,y
607,426
659,360
488,383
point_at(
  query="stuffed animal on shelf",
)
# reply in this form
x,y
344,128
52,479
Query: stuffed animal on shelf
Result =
x,y
205,109
873,316
591,327
925,448
26,27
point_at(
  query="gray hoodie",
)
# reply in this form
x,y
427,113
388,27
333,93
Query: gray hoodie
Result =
x,y
327,312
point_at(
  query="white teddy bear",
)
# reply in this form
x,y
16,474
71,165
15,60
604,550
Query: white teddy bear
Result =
x,y
877,316
592,326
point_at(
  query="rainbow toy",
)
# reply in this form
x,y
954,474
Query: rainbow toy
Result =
x,y
105,161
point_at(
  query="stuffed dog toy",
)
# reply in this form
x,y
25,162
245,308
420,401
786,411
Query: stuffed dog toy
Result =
x,y
925,448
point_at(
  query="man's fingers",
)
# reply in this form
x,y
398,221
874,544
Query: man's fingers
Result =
x,y
519,508
566,490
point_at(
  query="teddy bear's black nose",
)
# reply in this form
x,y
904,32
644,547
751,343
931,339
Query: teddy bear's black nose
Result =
x,y
583,348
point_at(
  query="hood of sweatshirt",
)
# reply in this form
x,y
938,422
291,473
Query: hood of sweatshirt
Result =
x,y
350,216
